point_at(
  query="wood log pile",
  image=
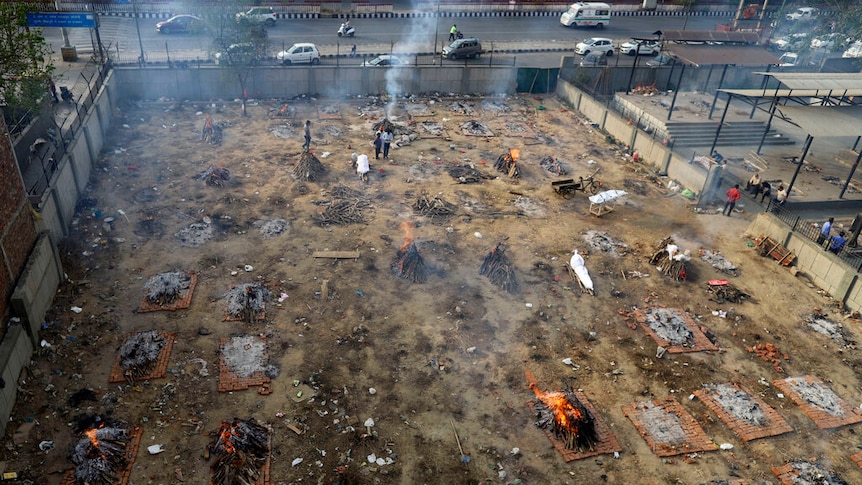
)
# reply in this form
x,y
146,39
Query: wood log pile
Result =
x,y
552,165
433,206
239,450
726,292
165,288
409,264
100,455
247,302
567,419
385,125
214,175
211,132
139,354
497,268
308,168
507,163
661,259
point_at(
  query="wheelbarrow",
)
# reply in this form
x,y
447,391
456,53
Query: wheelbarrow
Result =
x,y
568,187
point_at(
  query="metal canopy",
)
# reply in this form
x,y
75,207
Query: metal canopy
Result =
x,y
815,80
710,36
825,121
705,55
792,93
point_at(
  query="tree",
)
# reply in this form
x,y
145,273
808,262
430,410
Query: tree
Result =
x,y
239,45
25,64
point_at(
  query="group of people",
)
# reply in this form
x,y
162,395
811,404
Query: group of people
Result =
x,y
382,143
831,242
756,187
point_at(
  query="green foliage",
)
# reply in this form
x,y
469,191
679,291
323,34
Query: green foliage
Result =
x,y
25,60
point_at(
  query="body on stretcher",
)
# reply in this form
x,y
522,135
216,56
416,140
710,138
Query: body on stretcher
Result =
x,y
583,276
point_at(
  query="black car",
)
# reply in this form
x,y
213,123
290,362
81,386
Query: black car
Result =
x,y
181,23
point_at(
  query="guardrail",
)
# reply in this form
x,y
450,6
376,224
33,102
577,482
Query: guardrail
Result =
x,y
850,253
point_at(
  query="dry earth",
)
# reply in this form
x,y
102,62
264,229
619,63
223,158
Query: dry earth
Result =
x,y
453,351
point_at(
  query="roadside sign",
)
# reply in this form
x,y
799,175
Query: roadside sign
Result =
x,y
61,19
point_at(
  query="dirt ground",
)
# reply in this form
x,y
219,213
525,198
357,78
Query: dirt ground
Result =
x,y
448,358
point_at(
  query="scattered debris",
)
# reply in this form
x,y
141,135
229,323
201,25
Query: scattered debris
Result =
x,y
552,165
809,473
770,353
499,270
719,262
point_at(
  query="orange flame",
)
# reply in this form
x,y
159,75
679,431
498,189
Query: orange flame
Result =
x,y
566,415
91,433
226,435
514,153
407,227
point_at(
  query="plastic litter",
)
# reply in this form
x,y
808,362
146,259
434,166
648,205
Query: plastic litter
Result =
x,y
155,449
478,234
249,268
726,446
77,309
372,391
296,461
46,446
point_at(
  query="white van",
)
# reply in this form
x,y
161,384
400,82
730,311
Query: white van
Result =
x,y
587,14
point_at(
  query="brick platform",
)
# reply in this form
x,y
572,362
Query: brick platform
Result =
x,y
696,439
183,301
607,441
131,454
230,318
700,342
857,458
788,474
822,418
325,115
159,371
228,380
264,473
470,133
773,426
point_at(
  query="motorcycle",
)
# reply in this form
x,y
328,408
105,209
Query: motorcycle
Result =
x,y
346,30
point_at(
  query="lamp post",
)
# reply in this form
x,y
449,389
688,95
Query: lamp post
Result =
x,y
640,42
141,60
437,28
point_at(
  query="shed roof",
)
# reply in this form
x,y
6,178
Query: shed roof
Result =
x,y
705,55
795,93
710,36
819,81
825,121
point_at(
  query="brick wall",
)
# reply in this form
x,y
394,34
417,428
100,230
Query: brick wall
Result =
x,y
17,228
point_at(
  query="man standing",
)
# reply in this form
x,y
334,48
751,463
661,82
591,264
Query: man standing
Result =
x,y
825,230
387,138
732,196
378,145
452,32
307,144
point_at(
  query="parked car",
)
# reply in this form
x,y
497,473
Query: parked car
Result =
x,y
595,44
659,60
802,14
242,54
302,53
594,59
463,48
258,15
642,48
788,59
387,60
181,24
827,42
791,42
855,50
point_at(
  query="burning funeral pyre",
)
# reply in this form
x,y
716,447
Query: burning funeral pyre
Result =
x,y
100,455
552,165
433,207
562,414
385,125
239,451
669,260
211,132
247,302
346,208
139,354
499,270
309,167
508,163
408,263
214,175
165,288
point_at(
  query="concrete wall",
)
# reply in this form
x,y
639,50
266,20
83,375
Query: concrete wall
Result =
x,y
34,293
15,351
825,270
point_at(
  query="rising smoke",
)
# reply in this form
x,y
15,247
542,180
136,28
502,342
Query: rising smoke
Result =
x,y
418,29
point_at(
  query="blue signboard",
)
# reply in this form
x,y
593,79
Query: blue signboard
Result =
x,y
61,19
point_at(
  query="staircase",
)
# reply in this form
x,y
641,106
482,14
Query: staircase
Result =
x,y
737,133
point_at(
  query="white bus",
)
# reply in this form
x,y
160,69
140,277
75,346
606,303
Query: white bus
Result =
x,y
587,14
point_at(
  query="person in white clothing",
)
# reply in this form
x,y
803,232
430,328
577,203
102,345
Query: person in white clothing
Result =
x,y
362,167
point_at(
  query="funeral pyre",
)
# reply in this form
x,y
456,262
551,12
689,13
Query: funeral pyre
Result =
x,y
408,263
308,168
499,270
466,174
214,175
552,165
722,291
433,207
473,127
100,454
563,414
165,288
507,163
211,133
669,260
239,450
384,126
247,302
139,354
346,207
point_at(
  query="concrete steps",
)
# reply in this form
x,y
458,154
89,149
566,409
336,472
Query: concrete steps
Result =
x,y
738,133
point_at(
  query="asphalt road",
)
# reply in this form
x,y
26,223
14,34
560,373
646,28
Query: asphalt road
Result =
x,y
509,34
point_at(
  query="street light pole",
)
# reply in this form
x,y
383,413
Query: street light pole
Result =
x,y
437,28
141,59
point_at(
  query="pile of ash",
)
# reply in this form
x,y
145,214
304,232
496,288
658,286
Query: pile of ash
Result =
x,y
473,127
461,108
604,242
246,355
432,128
665,427
247,302
552,165
271,228
195,234
418,110
820,324
814,473
139,353
165,288
494,107
668,325
719,262
738,403
818,396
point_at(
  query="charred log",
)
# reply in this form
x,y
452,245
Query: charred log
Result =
x,y
499,270
562,414
410,265
239,450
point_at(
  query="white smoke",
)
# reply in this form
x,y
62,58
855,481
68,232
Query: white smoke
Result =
x,y
418,29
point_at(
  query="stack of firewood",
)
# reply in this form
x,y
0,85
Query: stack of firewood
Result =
x,y
499,270
671,265
309,167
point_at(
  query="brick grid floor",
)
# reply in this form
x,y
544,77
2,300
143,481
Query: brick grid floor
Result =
x,y
701,343
230,318
774,425
821,418
788,475
607,441
131,454
265,478
228,380
857,458
523,131
159,371
183,301
696,438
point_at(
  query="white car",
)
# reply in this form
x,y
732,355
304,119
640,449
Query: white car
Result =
x,y
595,44
642,48
303,53
854,52
803,13
791,42
387,60
258,15
788,59
826,42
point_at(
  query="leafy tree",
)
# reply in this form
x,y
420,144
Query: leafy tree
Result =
x,y
25,63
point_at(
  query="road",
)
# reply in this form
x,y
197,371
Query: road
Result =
x,y
119,34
